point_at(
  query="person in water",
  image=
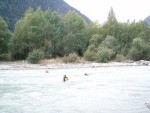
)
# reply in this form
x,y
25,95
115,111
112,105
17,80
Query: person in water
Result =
x,y
65,78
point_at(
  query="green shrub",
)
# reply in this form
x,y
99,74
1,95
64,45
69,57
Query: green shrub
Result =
x,y
110,42
135,54
35,56
104,55
120,57
89,55
5,57
73,57
140,54
140,50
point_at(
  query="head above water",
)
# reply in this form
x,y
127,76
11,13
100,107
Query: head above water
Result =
x,y
65,78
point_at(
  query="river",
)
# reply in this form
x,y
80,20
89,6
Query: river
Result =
x,y
104,90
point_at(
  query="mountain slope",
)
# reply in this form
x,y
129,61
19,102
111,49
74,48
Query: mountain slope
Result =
x,y
12,10
147,20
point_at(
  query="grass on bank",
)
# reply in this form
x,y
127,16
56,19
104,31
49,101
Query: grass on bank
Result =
x,y
71,58
37,57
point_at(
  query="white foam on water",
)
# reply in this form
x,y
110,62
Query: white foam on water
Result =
x,y
103,90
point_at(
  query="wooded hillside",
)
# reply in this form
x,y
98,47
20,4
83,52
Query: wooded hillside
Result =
x,y
12,10
46,34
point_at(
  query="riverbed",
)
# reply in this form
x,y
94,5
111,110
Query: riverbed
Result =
x,y
119,89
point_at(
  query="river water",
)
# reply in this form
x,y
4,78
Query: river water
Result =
x,y
104,90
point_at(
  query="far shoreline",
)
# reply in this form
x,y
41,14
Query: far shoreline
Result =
x,y
24,65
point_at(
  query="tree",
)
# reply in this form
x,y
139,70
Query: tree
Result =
x,y
36,30
111,24
104,54
46,30
96,40
73,33
110,42
140,50
111,15
5,36
55,47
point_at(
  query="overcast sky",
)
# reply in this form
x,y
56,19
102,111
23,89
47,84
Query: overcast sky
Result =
x,y
124,9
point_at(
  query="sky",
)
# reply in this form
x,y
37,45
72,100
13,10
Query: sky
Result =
x,y
97,10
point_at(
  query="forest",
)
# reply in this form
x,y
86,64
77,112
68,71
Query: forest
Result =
x,y
12,10
46,34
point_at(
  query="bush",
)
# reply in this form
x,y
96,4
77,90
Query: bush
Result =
x,y
35,56
110,42
140,50
135,54
104,55
73,57
5,57
120,57
89,55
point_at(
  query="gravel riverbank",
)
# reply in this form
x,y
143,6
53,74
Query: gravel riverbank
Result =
x,y
23,65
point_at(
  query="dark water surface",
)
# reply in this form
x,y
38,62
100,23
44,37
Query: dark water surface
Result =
x,y
105,90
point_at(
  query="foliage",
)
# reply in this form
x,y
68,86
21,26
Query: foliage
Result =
x,y
72,57
35,56
119,38
111,14
54,42
61,36
140,50
104,55
5,57
110,42
13,10
96,40
73,33
90,53
46,30
35,31
5,36
120,58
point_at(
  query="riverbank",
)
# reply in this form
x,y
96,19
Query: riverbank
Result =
x,y
24,65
